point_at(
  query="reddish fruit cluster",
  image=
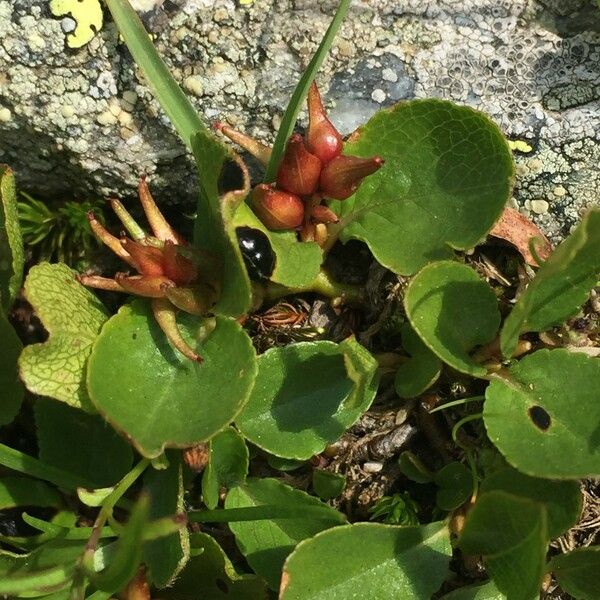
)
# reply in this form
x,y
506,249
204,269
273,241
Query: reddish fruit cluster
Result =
x,y
170,272
311,171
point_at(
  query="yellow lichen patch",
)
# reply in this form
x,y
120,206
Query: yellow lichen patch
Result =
x,y
246,2
520,146
87,13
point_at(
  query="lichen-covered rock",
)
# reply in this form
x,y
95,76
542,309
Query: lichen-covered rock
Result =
x,y
77,123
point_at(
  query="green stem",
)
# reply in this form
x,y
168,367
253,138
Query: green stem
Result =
x,y
323,284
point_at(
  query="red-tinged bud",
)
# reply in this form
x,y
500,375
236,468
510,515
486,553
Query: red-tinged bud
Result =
x,y
277,209
341,177
322,138
323,214
148,260
299,169
178,268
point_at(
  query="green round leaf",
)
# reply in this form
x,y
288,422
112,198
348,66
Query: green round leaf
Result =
x,y
159,398
297,264
412,467
306,395
421,371
11,388
455,482
80,443
327,484
544,415
369,560
487,591
453,310
73,317
577,572
209,575
227,465
267,543
562,499
448,173
511,533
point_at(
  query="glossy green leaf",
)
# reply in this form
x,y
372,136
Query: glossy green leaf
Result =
x,y
171,401
306,395
453,310
224,185
128,551
369,560
448,173
266,544
83,444
209,575
165,557
326,484
543,415
487,591
561,285
73,317
284,464
288,121
562,499
11,388
455,483
227,465
23,491
157,75
11,243
412,467
421,371
297,263
511,533
577,572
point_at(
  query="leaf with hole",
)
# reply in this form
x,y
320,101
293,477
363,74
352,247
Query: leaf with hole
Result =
x,y
171,400
544,416
455,486
421,371
81,443
511,533
227,465
166,556
369,560
306,395
297,264
448,173
73,317
209,575
561,285
267,543
11,388
577,572
11,242
562,499
453,310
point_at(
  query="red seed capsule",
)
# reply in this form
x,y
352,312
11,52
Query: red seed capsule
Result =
x,y
278,210
299,169
322,139
341,177
323,214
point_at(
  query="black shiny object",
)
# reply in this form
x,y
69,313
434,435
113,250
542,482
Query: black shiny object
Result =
x,y
258,255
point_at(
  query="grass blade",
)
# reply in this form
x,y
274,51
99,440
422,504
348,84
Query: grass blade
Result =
x,y
293,108
165,89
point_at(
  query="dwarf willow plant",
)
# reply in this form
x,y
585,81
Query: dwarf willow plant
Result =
x,y
127,406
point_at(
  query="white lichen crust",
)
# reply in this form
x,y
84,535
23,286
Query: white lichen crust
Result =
x,y
81,122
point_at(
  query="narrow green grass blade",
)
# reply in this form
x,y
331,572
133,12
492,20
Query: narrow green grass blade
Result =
x,y
293,108
165,89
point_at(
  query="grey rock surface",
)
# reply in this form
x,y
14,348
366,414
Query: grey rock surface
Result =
x,y
81,123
